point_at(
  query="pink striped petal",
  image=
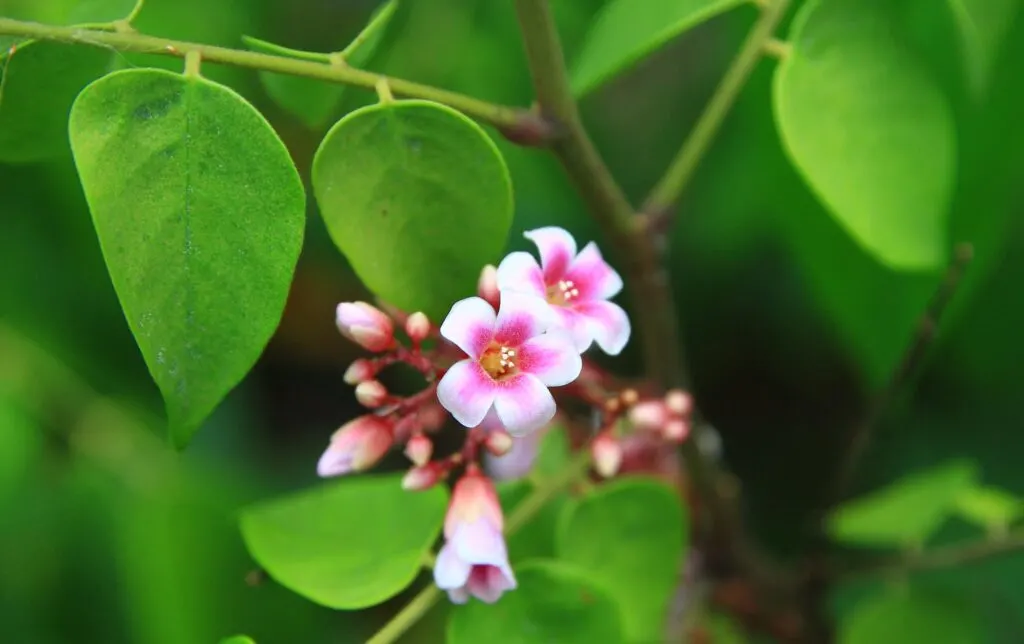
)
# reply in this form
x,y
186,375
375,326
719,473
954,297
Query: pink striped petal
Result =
x,y
467,392
480,542
520,318
520,272
524,404
556,247
551,357
594,278
470,325
451,571
488,583
608,324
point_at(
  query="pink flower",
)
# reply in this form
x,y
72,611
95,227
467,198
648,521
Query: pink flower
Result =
x,y
576,286
366,325
474,559
356,446
513,359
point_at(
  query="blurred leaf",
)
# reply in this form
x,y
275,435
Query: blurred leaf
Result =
x,y
418,199
625,31
630,535
100,10
554,602
238,639
989,507
349,544
200,214
38,84
536,539
983,24
723,629
554,452
870,131
906,512
21,444
898,617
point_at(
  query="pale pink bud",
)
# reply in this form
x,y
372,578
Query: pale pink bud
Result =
x,y
650,414
366,325
423,477
356,446
679,402
676,430
371,393
360,370
473,499
417,327
487,286
419,448
432,417
498,442
607,453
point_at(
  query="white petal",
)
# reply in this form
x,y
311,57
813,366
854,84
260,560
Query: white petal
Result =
x,y
521,317
523,404
467,392
458,595
520,272
551,357
557,249
449,570
594,278
608,323
470,325
480,542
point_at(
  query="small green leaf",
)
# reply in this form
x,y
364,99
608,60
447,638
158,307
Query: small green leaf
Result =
x,y
348,544
630,535
983,25
989,507
870,131
906,512
38,84
624,31
200,215
418,199
238,639
554,602
917,617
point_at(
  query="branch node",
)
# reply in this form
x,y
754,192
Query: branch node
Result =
x,y
193,62
777,48
384,91
531,129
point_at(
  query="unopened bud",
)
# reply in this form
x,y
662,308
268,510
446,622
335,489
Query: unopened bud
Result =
x,y
371,393
498,442
487,286
366,325
432,417
607,454
356,446
360,370
419,449
417,326
423,477
629,397
676,430
679,402
650,415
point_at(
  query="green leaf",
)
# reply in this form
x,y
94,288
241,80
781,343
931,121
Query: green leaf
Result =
x,y
983,25
631,535
349,544
38,84
989,507
554,452
200,215
100,10
238,639
554,602
418,199
21,445
906,512
869,130
917,617
536,539
625,31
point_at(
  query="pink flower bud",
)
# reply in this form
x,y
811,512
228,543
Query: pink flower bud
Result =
x,y
473,499
498,442
360,370
366,325
356,446
432,417
607,453
676,430
424,476
487,286
417,327
650,415
679,402
371,393
419,448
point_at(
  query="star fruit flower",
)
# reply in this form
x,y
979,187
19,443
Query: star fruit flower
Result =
x,y
576,287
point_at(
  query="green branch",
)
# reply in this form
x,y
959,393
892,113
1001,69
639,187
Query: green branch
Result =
x,y
508,119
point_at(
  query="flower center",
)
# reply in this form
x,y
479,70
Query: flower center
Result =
x,y
499,361
562,292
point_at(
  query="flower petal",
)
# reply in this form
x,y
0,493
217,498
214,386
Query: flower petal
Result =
x,y
592,276
480,542
449,570
523,404
458,595
517,462
519,271
608,323
487,583
552,357
467,392
576,325
470,325
521,317
557,249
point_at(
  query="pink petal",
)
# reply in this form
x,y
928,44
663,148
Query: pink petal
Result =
x,y
520,318
594,278
608,323
557,249
467,392
552,357
458,595
450,571
523,404
517,462
520,272
480,542
576,326
470,325
488,583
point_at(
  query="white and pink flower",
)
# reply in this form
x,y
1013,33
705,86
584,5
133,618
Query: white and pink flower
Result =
x,y
474,559
514,356
577,287
356,446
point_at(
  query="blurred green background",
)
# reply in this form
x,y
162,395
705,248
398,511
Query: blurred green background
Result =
x,y
109,537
